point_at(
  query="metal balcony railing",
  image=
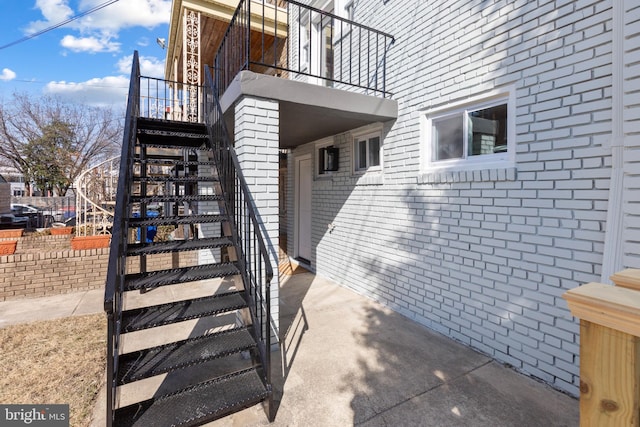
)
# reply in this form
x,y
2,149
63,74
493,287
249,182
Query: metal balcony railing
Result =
x,y
170,100
297,41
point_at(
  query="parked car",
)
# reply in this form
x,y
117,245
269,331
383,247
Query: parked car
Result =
x,y
9,220
33,215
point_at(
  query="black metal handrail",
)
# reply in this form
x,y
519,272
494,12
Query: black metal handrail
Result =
x,y
255,265
357,56
116,270
170,100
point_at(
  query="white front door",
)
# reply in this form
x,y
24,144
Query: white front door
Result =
x,y
304,178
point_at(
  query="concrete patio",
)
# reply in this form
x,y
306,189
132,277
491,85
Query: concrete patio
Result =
x,y
346,360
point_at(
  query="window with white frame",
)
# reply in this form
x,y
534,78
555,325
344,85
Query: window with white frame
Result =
x,y
349,10
316,39
367,152
304,33
477,133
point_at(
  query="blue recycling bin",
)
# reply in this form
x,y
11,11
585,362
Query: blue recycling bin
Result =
x,y
151,229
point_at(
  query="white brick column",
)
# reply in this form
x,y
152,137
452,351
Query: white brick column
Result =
x,y
256,143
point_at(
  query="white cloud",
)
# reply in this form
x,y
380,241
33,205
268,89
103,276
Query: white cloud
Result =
x,y
108,20
7,74
106,91
53,11
98,29
150,66
89,44
125,14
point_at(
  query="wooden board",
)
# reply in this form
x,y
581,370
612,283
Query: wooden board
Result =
x,y
609,377
612,306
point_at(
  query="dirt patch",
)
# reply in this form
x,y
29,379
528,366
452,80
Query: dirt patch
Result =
x,y
57,361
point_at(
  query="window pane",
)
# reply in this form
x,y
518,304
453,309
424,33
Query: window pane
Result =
x,y
374,151
362,154
448,138
488,131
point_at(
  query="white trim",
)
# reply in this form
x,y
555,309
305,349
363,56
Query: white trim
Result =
x,y
296,206
486,161
612,255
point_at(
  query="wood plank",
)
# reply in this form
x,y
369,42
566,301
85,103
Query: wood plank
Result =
x,y
612,306
609,377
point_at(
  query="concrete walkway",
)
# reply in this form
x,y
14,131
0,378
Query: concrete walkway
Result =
x,y
53,307
346,360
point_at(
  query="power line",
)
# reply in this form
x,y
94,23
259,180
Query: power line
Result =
x,y
60,24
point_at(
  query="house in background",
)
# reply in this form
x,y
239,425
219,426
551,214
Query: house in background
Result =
x,y
463,163
15,179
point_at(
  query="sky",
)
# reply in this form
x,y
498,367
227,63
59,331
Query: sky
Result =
x,y
87,60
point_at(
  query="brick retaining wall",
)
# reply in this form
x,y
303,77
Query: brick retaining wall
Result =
x,y
37,274
45,265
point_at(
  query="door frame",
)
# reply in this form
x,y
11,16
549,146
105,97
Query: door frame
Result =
x,y
296,239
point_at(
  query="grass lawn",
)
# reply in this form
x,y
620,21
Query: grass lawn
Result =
x,y
56,361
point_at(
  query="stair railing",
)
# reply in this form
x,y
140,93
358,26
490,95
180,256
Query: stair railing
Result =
x,y
116,270
255,265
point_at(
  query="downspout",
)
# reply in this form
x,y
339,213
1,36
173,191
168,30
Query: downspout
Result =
x,y
612,257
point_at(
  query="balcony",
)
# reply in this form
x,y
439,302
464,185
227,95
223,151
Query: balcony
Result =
x,y
327,73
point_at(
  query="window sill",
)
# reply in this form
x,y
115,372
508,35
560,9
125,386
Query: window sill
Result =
x,y
369,179
478,175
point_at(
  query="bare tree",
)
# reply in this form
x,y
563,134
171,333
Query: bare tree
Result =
x,y
51,142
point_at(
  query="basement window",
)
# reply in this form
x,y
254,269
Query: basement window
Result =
x,y
475,134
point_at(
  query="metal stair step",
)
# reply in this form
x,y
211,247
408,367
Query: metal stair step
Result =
x,y
165,133
164,314
198,404
153,279
177,246
149,123
171,162
174,179
159,139
176,198
176,220
154,361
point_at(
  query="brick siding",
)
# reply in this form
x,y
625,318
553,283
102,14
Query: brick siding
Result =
x,y
37,274
484,256
44,265
256,133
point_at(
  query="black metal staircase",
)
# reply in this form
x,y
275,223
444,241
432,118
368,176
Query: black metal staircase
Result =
x,y
213,371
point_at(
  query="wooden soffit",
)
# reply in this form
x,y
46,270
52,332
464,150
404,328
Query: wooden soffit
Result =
x,y
221,12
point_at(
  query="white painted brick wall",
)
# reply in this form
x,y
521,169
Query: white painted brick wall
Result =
x,y
256,143
485,256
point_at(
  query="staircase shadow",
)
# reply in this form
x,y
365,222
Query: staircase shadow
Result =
x,y
293,325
